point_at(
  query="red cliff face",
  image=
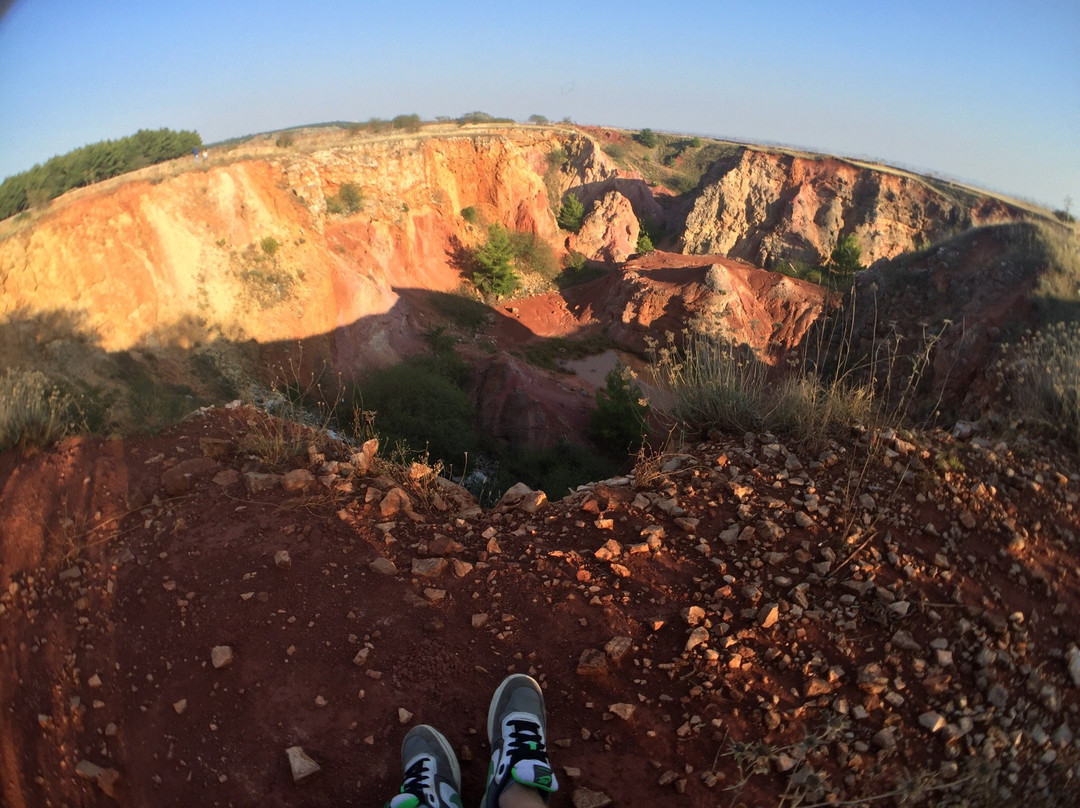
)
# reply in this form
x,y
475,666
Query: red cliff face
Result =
x,y
143,260
770,208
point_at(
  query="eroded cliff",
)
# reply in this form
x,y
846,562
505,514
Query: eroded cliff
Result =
x,y
773,208
246,247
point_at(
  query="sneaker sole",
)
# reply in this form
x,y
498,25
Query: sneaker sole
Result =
x,y
448,752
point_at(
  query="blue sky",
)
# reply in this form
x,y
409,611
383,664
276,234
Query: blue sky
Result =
x,y
987,92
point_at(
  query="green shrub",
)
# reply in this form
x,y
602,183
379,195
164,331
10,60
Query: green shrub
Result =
x,y
284,140
461,307
571,213
577,271
352,198
619,421
269,245
533,254
470,214
556,471
644,243
616,151
846,255
410,123
495,274
33,412
420,402
539,120
481,117
348,200
1041,377
647,138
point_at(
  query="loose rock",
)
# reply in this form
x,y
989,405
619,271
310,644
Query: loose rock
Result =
x,y
301,765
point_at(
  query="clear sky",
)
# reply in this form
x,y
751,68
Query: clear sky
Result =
x,y
987,92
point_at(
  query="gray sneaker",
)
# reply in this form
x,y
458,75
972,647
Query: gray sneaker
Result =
x,y
432,773
517,727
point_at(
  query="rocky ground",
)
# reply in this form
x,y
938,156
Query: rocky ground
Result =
x,y
731,624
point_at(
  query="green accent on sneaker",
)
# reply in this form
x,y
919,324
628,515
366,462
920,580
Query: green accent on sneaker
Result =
x,y
456,800
541,779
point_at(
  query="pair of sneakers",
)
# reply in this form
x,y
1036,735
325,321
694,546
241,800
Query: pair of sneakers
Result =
x,y
517,727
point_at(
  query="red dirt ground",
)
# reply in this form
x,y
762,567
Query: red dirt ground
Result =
x,y
164,579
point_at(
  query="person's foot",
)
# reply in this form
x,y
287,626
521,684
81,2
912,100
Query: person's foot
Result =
x,y
432,774
517,729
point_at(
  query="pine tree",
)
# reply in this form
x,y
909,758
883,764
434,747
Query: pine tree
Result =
x,y
495,274
571,213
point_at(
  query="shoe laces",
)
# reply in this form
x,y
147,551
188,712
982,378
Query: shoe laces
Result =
x,y
525,742
416,777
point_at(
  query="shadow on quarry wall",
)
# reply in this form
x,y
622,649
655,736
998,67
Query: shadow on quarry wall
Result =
x,y
191,364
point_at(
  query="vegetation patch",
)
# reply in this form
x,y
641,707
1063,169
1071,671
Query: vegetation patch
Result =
x,y
533,254
716,385
151,403
619,421
265,279
495,274
348,200
1040,377
461,307
571,213
579,270
422,404
551,353
33,411
93,163
481,117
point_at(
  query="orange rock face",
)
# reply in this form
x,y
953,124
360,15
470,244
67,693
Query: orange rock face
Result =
x,y
247,249
665,292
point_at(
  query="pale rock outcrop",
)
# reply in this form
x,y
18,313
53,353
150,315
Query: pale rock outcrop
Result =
x,y
770,208
609,231
592,175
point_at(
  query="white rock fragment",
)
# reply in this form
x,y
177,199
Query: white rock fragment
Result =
x,y
622,710
221,656
301,765
698,636
1072,658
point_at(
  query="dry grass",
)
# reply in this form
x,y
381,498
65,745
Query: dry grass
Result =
x,y
33,412
1040,377
716,385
